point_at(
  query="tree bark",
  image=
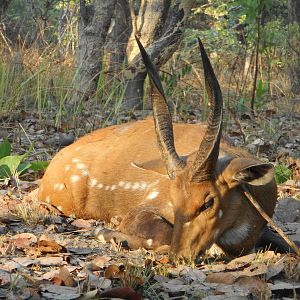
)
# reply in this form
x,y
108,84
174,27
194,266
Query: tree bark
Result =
x,y
93,25
159,25
117,38
294,40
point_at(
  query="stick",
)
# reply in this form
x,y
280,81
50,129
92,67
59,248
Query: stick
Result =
x,y
271,222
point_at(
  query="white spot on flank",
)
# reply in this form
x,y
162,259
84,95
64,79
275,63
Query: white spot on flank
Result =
x,y
78,148
121,183
107,187
58,186
135,186
80,166
59,208
93,182
235,235
143,185
61,187
48,199
149,242
152,195
67,168
100,185
85,173
170,204
127,185
75,178
113,187
220,213
75,160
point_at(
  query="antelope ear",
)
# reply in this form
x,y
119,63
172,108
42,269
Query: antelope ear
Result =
x,y
156,165
248,170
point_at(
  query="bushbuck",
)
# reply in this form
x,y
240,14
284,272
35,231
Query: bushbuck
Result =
x,y
189,197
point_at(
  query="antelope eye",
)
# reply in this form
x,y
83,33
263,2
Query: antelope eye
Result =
x,y
209,203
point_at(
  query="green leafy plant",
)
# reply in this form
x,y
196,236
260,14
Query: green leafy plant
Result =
x,y
262,90
282,173
12,166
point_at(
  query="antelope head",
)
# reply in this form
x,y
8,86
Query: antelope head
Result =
x,y
195,193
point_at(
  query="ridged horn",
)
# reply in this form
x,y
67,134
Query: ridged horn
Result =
x,y
162,118
204,165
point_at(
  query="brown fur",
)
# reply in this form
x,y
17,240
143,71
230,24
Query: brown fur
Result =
x,y
117,171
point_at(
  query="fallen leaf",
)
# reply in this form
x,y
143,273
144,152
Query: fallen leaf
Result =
x,y
57,280
112,271
51,261
101,260
256,286
60,296
173,287
10,266
164,260
45,246
274,269
80,223
282,285
123,293
241,262
193,274
103,283
66,277
82,251
214,268
49,275
254,270
59,292
4,277
25,261
160,278
225,278
23,240
25,235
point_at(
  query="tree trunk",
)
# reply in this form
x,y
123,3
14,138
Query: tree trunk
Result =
x,y
159,26
117,38
93,26
294,40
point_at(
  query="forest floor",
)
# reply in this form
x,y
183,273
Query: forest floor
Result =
x,y
44,255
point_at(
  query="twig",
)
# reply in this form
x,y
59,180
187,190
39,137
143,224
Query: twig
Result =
x,y
270,221
26,135
238,122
